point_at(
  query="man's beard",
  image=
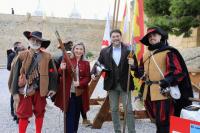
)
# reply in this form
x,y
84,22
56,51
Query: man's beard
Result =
x,y
117,44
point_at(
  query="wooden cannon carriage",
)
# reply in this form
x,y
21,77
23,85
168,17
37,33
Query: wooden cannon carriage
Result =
x,y
105,115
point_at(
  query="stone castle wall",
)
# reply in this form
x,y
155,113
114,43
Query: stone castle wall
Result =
x,y
88,31
78,30
190,42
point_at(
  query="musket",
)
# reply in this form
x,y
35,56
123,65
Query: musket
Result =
x,y
61,46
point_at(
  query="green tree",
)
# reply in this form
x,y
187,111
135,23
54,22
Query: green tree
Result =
x,y
175,16
89,55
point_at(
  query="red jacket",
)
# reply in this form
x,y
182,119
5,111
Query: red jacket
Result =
x,y
84,79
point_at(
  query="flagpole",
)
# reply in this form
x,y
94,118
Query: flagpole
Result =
x,y
127,95
117,13
129,70
113,24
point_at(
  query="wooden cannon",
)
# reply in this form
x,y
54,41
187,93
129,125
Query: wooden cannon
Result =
x,y
105,115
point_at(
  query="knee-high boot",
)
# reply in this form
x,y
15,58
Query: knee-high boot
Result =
x,y
23,123
38,124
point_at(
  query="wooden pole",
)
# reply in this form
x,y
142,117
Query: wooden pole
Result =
x,y
116,21
102,114
129,73
61,46
64,99
127,97
92,85
113,23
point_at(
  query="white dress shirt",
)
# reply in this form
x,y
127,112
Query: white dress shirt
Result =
x,y
116,54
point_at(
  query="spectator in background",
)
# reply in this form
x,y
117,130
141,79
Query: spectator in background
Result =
x,y
12,11
68,47
11,54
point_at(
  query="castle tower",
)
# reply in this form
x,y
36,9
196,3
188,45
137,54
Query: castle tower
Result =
x,y
75,13
39,10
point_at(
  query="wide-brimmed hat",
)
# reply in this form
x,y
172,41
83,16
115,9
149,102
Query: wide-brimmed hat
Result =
x,y
38,35
158,30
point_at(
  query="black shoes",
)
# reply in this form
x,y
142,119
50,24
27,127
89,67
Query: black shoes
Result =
x,y
14,117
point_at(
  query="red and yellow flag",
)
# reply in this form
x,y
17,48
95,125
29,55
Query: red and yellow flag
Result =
x,y
132,27
137,34
138,28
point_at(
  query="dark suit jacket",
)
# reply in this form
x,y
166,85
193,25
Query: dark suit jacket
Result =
x,y
106,59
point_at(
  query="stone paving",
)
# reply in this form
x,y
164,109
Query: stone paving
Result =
x,y
53,122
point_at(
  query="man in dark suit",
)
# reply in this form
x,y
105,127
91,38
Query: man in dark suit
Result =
x,y
115,59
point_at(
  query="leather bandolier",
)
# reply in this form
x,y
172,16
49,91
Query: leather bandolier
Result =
x,y
42,72
154,75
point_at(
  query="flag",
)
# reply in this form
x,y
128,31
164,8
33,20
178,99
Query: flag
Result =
x,y
138,28
106,37
125,26
137,34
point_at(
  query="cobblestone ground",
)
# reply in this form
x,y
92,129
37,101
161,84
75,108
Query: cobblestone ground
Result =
x,y
53,122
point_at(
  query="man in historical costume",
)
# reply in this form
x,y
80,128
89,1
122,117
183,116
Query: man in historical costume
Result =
x,y
33,78
115,59
68,47
162,59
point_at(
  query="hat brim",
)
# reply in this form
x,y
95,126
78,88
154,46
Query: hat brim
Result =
x,y
45,43
145,39
158,30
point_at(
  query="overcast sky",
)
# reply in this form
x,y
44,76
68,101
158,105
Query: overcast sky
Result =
x,y
89,9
